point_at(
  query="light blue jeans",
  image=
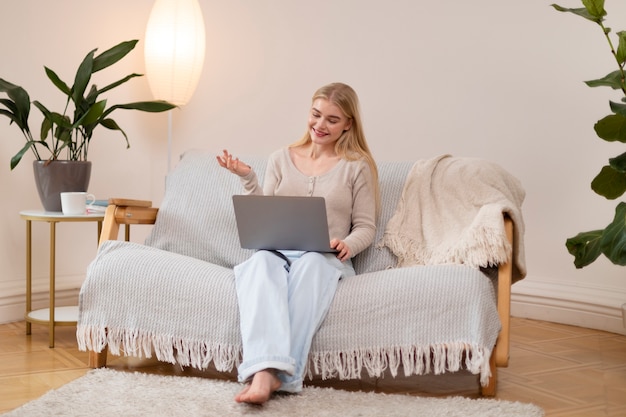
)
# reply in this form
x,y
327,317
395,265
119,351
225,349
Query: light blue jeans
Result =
x,y
281,306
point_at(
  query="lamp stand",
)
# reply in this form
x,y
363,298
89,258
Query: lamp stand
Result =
x,y
169,141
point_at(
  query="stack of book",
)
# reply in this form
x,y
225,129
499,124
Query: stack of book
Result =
x,y
98,206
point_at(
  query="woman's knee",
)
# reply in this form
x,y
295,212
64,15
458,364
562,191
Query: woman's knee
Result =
x,y
262,263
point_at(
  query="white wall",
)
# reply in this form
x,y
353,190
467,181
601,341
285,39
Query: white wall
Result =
x,y
495,79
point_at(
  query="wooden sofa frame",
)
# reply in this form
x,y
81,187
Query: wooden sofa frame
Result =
x,y
135,212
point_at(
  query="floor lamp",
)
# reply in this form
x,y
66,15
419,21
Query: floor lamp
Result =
x,y
174,54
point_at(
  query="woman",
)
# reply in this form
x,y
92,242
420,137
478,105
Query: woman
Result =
x,y
284,299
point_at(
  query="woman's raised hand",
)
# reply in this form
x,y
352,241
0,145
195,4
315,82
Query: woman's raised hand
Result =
x,y
234,165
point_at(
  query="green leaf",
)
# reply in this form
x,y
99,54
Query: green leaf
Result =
x,y
81,80
47,122
60,84
93,114
13,118
613,80
621,47
618,108
9,104
64,134
21,103
595,7
117,83
42,109
609,183
611,128
5,86
112,124
91,97
18,156
155,106
613,241
9,114
618,163
112,55
585,247
582,12
46,126
60,120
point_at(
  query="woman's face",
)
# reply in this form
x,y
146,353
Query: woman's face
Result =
x,y
327,122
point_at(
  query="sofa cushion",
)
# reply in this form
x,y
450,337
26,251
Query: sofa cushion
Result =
x,y
196,216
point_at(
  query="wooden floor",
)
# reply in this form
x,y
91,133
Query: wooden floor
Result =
x,y
569,371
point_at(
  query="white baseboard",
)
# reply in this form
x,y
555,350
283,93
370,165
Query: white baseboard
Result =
x,y
591,307
13,308
13,298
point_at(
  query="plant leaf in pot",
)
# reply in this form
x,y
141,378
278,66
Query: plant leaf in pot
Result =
x,y
610,182
66,135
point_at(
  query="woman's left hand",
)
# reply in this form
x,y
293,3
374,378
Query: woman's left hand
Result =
x,y
344,252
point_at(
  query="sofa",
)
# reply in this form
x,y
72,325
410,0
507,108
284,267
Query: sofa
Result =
x,y
174,296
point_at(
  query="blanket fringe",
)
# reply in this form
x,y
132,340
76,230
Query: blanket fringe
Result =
x,y
414,360
166,348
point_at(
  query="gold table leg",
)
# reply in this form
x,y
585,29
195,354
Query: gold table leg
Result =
x,y
52,279
29,273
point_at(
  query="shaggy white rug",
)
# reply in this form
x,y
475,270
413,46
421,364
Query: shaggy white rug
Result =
x,y
104,392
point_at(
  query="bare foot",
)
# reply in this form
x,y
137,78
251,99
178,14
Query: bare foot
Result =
x,y
263,384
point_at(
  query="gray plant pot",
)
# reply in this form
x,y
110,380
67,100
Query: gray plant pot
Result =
x,y
55,177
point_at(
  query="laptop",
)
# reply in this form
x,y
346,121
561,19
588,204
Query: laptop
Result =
x,y
282,222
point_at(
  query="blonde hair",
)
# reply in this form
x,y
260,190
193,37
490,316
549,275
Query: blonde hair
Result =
x,y
352,144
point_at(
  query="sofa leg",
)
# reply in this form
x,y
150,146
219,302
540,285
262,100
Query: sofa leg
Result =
x,y
98,359
490,389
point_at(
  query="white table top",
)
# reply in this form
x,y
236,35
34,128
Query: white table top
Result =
x,y
59,216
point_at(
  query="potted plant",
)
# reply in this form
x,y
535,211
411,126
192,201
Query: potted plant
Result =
x,y
610,182
62,146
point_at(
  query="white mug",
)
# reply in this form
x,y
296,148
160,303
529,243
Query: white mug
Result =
x,y
75,203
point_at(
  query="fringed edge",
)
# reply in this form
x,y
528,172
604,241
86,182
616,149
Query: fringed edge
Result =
x,y
477,247
167,348
414,360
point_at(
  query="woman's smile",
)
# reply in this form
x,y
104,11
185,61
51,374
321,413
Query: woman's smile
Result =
x,y
318,133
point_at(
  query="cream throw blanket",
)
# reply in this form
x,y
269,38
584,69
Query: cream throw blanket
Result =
x,y
450,212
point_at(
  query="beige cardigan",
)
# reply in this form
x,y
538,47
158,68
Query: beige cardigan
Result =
x,y
347,189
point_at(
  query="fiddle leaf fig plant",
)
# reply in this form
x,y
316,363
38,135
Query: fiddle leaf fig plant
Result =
x,y
72,129
610,182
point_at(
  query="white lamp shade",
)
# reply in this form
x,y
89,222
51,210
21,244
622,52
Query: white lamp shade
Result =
x,y
174,49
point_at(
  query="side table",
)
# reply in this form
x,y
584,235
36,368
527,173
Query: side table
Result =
x,y
52,316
